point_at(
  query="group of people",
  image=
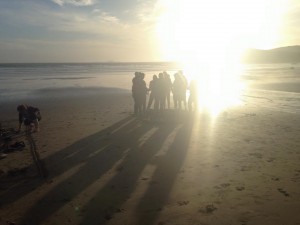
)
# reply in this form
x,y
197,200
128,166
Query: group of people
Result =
x,y
160,89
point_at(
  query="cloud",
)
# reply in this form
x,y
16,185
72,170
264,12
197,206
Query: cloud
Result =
x,y
64,23
81,34
148,11
74,2
58,2
107,18
100,24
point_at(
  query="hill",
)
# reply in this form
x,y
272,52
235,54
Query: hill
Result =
x,y
289,54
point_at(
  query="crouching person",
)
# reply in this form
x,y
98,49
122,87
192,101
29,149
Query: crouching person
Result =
x,y
30,116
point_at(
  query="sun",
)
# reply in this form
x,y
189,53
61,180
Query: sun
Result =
x,y
208,36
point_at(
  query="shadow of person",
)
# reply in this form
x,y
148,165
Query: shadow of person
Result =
x,y
164,176
84,163
61,161
110,198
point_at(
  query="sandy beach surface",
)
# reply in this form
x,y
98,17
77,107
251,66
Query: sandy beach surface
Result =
x,y
106,166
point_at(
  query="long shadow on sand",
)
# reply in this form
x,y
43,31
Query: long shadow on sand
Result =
x,y
68,158
108,201
166,173
94,156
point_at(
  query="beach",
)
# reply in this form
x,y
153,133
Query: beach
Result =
x,y
149,112
106,166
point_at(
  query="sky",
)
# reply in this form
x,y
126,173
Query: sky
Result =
x,y
141,30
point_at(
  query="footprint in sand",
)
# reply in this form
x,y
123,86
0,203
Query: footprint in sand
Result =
x,y
182,203
296,177
241,188
283,192
270,159
245,168
208,209
256,155
225,185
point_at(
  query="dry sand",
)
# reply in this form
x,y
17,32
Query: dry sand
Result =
x,y
107,167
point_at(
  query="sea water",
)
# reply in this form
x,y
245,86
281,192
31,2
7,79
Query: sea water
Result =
x,y
275,86
25,80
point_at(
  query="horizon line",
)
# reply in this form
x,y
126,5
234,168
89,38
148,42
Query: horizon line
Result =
x,y
113,61
74,62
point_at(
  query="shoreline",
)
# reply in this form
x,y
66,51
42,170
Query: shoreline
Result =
x,y
276,86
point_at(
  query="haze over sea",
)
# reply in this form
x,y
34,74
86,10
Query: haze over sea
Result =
x,y
275,86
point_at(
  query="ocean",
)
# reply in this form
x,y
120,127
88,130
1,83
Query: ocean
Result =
x,y
25,80
276,86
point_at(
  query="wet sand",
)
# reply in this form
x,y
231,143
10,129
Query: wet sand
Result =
x,y
107,167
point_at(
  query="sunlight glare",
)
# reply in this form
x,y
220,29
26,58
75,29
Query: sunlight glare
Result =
x,y
208,38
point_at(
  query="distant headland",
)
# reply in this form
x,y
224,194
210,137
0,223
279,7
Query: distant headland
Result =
x,y
289,54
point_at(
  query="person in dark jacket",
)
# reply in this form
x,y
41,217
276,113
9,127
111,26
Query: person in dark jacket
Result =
x,y
135,84
153,91
139,93
160,104
168,87
29,116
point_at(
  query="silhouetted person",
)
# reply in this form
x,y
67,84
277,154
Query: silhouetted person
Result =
x,y
139,93
161,93
184,88
135,92
179,91
193,98
143,93
168,87
153,91
30,116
